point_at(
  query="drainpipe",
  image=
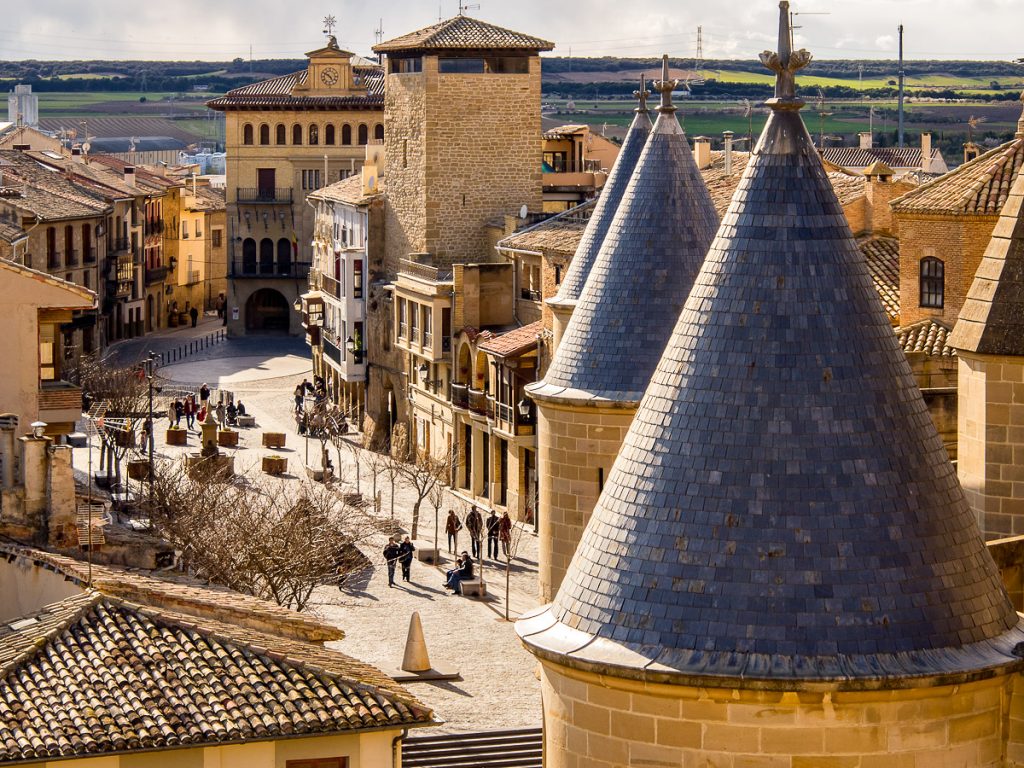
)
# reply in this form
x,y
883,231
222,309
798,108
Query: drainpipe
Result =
x,y
395,742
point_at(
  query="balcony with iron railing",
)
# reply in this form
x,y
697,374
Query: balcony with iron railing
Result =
x,y
477,402
70,257
330,286
268,270
155,275
120,244
264,195
529,295
192,277
460,396
508,419
89,254
54,260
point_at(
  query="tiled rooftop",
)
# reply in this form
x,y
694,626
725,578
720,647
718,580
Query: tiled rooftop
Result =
x,y
95,675
463,32
991,320
514,342
348,190
559,233
44,191
607,204
978,187
926,336
895,157
640,278
782,508
277,93
882,255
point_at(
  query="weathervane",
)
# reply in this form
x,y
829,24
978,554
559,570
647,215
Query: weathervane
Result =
x,y
665,88
785,64
642,95
329,24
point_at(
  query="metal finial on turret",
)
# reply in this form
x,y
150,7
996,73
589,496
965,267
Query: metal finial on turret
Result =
x,y
785,64
642,95
665,88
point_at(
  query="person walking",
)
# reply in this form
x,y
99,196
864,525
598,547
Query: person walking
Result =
x,y
204,395
475,526
463,572
493,523
452,526
505,533
221,411
194,314
391,554
172,413
179,411
190,411
405,550
300,393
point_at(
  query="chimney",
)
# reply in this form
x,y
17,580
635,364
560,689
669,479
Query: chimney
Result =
x,y
129,175
702,152
76,154
728,152
866,140
926,152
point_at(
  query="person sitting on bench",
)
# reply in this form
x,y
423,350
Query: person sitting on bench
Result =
x,y
241,408
232,413
464,572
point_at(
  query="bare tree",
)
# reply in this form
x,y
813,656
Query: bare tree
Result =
x,y
377,462
264,537
394,466
424,474
510,547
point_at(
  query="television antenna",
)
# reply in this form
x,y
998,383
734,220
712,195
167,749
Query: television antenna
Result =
x,y
822,114
463,7
378,33
792,22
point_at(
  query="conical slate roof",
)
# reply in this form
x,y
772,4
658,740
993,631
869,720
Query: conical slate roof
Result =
x,y
992,318
782,508
642,274
607,204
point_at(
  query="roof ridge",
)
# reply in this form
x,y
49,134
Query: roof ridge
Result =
x,y
76,607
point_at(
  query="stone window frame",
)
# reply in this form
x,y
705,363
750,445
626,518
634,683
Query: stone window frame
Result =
x,y
329,135
346,135
297,135
932,283
364,134
280,135
264,135
248,135
378,132
313,135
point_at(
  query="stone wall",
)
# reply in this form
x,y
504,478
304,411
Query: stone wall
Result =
x,y
576,447
596,721
990,429
405,164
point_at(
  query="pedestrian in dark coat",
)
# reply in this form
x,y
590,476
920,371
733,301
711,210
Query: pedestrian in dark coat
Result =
x,y
391,554
194,314
493,523
505,533
204,395
179,411
475,526
452,526
405,550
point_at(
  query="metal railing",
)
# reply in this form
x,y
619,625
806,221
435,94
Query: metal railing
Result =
x,y
459,395
155,275
89,254
182,351
330,286
477,401
425,271
266,195
529,295
70,257
53,260
274,269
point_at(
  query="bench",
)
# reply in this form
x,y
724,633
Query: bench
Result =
x,y
473,587
247,421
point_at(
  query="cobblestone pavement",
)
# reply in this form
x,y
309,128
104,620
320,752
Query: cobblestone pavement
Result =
x,y
499,688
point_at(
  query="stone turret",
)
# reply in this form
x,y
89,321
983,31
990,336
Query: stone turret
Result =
x,y
782,569
564,302
634,292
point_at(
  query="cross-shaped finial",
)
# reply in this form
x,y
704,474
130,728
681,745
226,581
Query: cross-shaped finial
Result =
x,y
329,24
785,64
665,88
642,95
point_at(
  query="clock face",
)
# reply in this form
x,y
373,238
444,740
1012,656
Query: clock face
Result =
x,y
329,76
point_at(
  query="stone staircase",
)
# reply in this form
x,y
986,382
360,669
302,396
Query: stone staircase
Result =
x,y
486,749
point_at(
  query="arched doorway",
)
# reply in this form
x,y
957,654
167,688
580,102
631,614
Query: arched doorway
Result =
x,y
266,256
284,256
249,256
267,310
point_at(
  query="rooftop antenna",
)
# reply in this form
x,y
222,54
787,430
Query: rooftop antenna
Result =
x,y
463,7
378,35
793,26
822,114
901,79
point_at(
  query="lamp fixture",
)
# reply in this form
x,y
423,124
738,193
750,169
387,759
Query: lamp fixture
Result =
x,y
523,406
297,306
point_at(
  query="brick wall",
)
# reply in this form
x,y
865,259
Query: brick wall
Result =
x,y
607,722
575,443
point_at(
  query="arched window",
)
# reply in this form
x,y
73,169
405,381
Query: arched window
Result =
x,y
363,134
284,256
378,132
329,135
264,134
296,134
314,134
282,134
247,133
933,281
346,135
249,256
266,256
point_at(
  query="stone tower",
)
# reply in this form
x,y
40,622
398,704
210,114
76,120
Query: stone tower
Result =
x,y
782,570
635,290
989,340
564,302
462,121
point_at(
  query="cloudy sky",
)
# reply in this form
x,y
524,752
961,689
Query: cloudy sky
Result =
x,y
224,29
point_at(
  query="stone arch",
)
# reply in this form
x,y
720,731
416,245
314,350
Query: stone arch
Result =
x,y
247,133
364,134
281,134
378,132
481,372
266,310
296,134
464,368
249,256
346,135
329,135
266,256
284,256
264,134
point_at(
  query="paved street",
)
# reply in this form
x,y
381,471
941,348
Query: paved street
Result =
x,y
499,688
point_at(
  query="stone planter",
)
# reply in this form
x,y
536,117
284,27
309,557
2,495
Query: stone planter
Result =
x,y
138,469
177,437
275,465
273,439
227,438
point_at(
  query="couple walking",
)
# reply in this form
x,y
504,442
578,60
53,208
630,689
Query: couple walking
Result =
x,y
399,552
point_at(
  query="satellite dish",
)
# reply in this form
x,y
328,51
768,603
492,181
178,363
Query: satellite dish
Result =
x,y
522,211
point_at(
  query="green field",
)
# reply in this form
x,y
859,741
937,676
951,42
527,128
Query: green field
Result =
x,y
55,104
980,84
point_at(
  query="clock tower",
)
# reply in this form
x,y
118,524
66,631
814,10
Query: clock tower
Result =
x,y
329,72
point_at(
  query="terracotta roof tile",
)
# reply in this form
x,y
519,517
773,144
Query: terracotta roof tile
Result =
x,y
278,93
96,675
348,190
463,32
514,342
45,191
883,258
559,233
978,187
926,336
857,157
